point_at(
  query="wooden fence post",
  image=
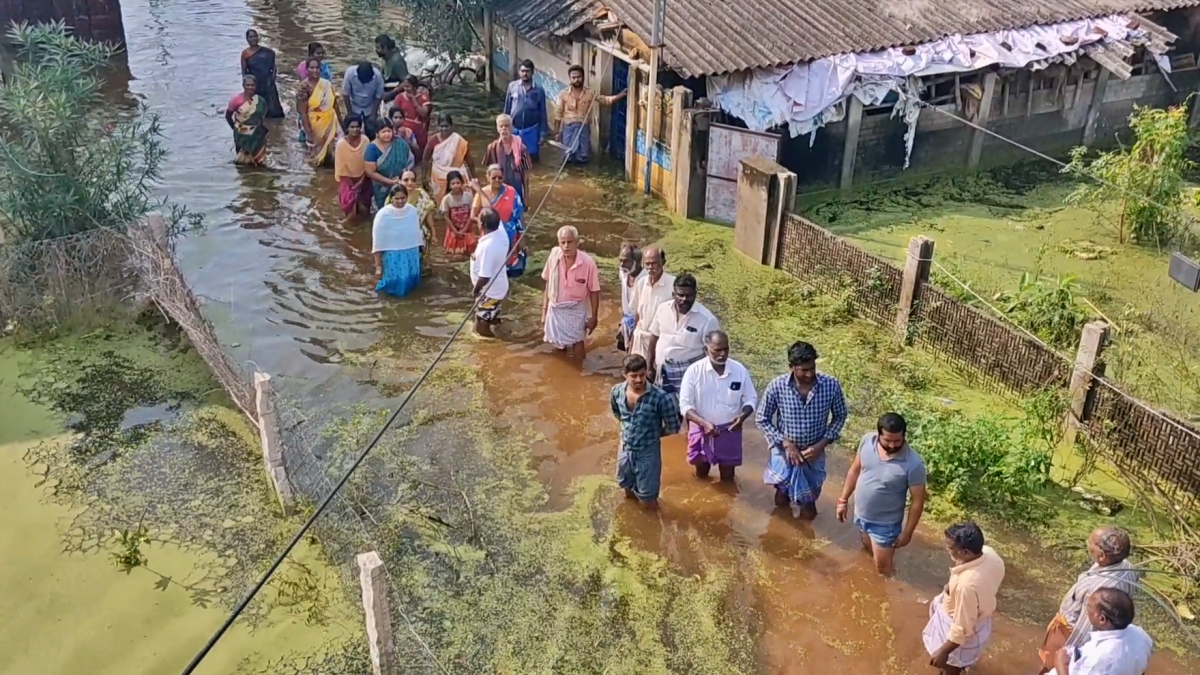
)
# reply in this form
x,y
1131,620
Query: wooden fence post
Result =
x,y
489,49
373,579
1088,365
916,272
158,228
272,448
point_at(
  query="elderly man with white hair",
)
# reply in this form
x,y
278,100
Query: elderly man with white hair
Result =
x,y
572,298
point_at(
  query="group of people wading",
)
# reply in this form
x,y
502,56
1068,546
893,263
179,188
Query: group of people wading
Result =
x,y
375,132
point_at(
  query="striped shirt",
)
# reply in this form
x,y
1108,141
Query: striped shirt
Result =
x,y
1122,576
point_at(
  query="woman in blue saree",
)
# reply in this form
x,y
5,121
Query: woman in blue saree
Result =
x,y
502,198
397,244
387,158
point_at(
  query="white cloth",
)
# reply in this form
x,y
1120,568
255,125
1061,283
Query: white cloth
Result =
x,y
627,291
396,229
719,399
489,260
646,299
566,323
680,338
1114,652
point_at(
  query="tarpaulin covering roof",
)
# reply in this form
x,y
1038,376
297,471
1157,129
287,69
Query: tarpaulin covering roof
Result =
x,y
539,19
710,37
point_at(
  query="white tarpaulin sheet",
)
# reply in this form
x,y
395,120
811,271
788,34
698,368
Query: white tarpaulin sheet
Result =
x,y
806,96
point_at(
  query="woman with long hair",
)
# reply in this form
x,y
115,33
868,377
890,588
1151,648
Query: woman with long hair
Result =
x,y
349,169
246,115
446,152
316,103
386,158
259,61
397,244
506,202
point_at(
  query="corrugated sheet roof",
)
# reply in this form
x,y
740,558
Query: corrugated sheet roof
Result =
x,y
710,37
539,19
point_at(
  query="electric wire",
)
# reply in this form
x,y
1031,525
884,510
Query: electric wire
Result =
x,y
362,456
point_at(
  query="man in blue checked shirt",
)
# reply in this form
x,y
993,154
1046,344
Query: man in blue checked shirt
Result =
x,y
801,413
646,414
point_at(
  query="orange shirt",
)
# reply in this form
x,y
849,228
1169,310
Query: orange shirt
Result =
x,y
578,280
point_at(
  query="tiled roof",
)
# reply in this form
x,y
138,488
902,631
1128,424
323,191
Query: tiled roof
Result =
x,y
710,37
539,19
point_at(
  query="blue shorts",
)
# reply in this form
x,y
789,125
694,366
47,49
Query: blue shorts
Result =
x,y
881,535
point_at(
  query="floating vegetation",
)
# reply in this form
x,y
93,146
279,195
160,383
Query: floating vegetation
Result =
x,y
129,555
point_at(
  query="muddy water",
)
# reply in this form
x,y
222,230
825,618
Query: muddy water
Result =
x,y
290,289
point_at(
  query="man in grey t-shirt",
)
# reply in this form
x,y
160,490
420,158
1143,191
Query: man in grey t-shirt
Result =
x,y
884,471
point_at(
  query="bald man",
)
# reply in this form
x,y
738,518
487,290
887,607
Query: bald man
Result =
x,y
1108,548
1115,645
649,292
571,301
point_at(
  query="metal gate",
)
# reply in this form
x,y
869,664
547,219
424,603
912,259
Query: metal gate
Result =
x,y
727,147
616,127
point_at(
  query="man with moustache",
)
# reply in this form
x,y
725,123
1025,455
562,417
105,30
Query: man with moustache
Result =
x,y
645,414
801,413
574,114
649,291
885,471
716,398
677,335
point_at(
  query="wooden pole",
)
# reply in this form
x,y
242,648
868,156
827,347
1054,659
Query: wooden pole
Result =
x,y
916,272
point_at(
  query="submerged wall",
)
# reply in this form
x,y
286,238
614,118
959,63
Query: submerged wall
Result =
x,y
98,20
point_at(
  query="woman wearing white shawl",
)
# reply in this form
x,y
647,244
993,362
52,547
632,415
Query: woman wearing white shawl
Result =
x,y
397,242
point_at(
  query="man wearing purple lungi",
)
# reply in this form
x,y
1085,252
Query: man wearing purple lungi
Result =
x,y
716,397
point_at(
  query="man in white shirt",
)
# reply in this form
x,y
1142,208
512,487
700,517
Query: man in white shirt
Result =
x,y
716,398
649,292
488,263
630,272
677,335
1115,646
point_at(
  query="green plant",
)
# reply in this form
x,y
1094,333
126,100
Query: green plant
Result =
x,y
128,555
67,163
1146,178
982,463
1048,309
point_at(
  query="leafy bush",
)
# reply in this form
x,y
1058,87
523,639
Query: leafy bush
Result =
x,y
1048,309
67,165
984,463
1147,178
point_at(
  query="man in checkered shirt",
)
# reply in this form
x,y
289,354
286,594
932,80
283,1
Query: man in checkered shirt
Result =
x,y
646,414
800,413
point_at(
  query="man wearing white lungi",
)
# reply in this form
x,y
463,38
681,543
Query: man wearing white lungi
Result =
x,y
572,298
960,618
649,292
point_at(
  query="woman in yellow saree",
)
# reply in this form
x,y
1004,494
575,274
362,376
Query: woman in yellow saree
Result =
x,y
318,113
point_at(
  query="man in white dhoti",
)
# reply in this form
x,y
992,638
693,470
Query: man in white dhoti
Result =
x,y
572,298
649,292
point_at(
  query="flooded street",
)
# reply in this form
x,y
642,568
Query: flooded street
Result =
x,y
290,290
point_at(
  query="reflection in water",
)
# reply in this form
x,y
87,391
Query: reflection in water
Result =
x,y
290,289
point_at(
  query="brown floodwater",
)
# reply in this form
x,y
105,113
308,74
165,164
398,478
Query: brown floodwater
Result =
x,y
290,289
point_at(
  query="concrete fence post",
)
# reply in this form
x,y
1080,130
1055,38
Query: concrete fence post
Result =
x,y
489,51
1088,366
916,272
373,579
272,448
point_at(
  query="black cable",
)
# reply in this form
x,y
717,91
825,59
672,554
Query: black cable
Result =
x,y
266,577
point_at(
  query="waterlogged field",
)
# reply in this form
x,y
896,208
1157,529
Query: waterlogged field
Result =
x,y
993,227
135,515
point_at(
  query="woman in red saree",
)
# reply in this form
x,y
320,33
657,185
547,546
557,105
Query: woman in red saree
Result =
x,y
416,107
